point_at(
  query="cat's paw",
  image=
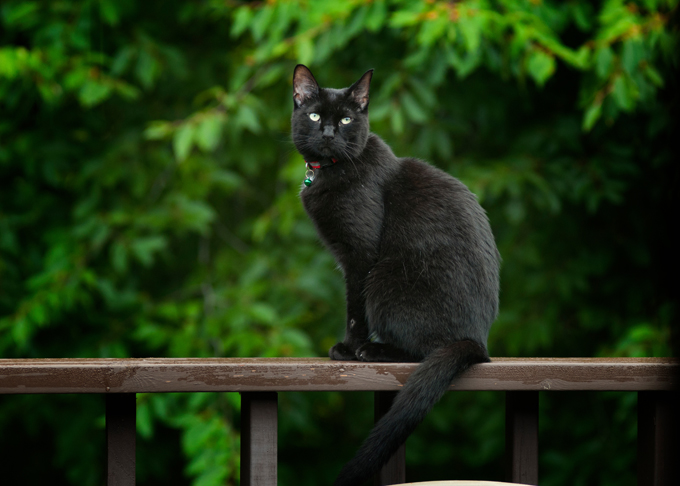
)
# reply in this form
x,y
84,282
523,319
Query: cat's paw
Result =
x,y
371,352
341,352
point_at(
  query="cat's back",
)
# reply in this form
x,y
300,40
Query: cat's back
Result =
x,y
437,253
428,202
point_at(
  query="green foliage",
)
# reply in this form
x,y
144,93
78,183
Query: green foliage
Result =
x,y
148,207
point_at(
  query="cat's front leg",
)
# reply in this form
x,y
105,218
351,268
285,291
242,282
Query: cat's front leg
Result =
x,y
354,339
356,328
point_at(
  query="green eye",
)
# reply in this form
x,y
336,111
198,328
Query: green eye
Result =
x,y
346,120
314,116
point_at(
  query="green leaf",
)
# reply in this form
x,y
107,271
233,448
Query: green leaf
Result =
x,y
182,141
305,50
21,331
93,93
127,91
622,23
581,59
147,69
272,75
158,130
122,60
470,27
424,93
464,65
583,12
412,108
261,21
604,62
624,93
145,248
632,55
404,18
591,116
242,18
376,16
9,65
263,313
119,257
227,180
209,132
541,66
358,21
653,75
379,110
144,423
431,31
20,13
195,215
397,120
38,314
246,118
109,11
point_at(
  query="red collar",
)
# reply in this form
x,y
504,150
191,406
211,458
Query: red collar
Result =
x,y
318,165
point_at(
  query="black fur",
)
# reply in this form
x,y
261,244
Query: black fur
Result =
x,y
419,259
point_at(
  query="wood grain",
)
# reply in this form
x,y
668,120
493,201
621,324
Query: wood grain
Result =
x,y
164,375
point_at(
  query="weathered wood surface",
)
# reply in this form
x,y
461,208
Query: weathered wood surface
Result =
x,y
25,376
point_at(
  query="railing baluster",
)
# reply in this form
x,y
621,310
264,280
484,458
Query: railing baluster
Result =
x,y
394,472
657,443
121,419
259,435
521,436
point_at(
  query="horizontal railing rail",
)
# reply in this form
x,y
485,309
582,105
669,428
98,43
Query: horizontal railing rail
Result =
x,y
163,375
260,379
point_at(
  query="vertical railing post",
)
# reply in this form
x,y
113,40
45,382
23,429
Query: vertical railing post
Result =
x,y
259,436
394,472
521,436
657,442
121,419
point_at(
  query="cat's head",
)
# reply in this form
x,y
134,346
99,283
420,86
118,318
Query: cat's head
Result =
x,y
329,123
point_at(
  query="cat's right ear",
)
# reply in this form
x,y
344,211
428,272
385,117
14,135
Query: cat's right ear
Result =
x,y
305,86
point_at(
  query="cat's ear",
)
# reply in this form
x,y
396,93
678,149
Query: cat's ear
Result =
x,y
359,90
305,86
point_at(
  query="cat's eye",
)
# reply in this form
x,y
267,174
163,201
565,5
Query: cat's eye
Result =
x,y
314,116
345,120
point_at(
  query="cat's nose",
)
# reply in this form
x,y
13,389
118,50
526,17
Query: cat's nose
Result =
x,y
328,132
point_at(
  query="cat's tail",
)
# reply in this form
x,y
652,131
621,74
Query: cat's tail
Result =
x,y
426,385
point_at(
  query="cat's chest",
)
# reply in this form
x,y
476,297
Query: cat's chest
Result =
x,y
346,214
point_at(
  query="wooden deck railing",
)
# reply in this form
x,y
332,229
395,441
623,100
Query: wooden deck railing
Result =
x,y
655,380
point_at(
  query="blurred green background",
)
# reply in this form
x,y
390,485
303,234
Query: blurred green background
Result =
x,y
149,207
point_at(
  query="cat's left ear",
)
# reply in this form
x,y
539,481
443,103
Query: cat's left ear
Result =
x,y
359,90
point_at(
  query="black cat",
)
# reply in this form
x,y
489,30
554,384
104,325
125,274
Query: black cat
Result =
x,y
419,259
